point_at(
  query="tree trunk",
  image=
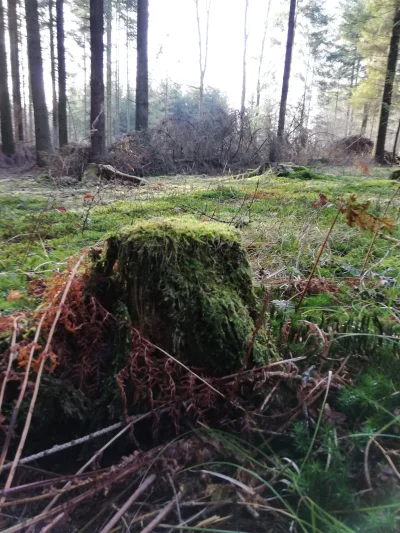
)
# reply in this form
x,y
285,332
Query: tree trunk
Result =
x,y
117,115
128,89
53,77
261,58
84,87
396,140
202,66
142,72
96,79
15,74
388,89
244,62
42,129
353,83
109,74
62,76
364,119
286,72
7,137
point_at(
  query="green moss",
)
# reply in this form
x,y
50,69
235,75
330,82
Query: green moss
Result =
x,y
44,179
188,287
91,173
305,174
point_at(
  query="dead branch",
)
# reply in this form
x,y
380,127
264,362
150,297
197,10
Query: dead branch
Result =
x,y
65,446
109,172
162,514
146,483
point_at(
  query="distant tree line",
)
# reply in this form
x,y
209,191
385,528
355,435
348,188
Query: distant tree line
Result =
x,y
349,79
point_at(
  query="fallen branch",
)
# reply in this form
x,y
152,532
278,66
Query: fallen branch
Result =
x,y
162,514
146,483
65,446
109,172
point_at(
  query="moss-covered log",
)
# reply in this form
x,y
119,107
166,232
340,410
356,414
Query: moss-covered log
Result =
x,y
188,288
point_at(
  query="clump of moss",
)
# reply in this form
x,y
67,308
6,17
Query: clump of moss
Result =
x,y
188,287
304,174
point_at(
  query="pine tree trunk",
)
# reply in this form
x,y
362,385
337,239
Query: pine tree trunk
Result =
x,y
396,141
84,87
97,80
261,58
244,61
287,67
109,74
62,76
15,74
53,77
142,72
364,119
202,66
117,122
128,90
388,88
42,129
7,137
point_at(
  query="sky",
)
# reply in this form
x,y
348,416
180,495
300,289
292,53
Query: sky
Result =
x,y
173,44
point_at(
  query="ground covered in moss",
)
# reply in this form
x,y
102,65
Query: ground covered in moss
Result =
x,y
320,433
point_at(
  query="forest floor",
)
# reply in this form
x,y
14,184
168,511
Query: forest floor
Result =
x,y
333,468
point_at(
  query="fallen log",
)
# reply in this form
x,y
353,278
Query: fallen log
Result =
x,y
109,172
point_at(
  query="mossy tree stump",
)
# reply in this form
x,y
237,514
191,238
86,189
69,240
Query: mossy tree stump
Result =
x,y
188,288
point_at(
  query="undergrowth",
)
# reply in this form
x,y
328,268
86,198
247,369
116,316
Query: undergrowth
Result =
x,y
306,440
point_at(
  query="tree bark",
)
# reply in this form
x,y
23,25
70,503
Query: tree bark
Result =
x,y
53,77
202,66
364,119
142,72
396,140
128,90
244,62
388,88
40,113
62,76
287,67
7,137
109,74
15,73
261,58
84,86
97,80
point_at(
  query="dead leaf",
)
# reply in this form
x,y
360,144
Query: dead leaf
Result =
x,y
333,417
61,208
322,200
14,296
88,196
364,168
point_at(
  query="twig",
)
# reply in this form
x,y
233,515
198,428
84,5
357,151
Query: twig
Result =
x,y
267,399
388,459
375,235
10,360
178,509
322,248
162,514
319,420
187,368
146,483
94,457
250,343
367,448
65,446
39,375
20,397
